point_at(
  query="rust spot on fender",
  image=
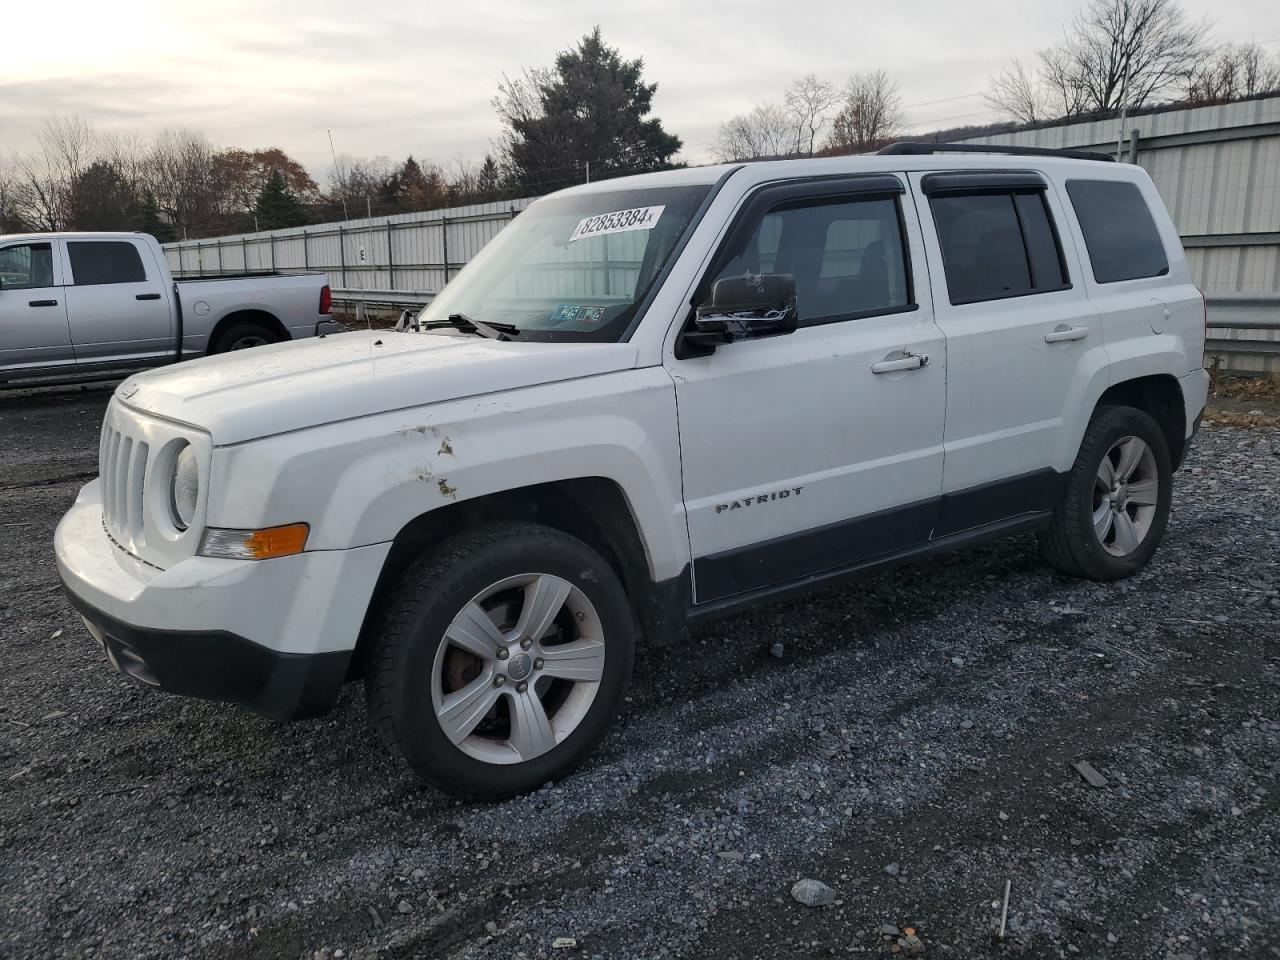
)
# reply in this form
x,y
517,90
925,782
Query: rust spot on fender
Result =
x,y
423,474
446,490
446,448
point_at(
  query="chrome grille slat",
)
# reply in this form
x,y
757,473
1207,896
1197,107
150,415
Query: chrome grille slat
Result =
x,y
107,470
119,507
133,504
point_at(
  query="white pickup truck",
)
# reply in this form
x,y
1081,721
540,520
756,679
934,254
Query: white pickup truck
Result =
x,y
76,306
648,402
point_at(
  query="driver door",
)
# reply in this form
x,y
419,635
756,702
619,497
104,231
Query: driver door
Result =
x,y
34,332
815,451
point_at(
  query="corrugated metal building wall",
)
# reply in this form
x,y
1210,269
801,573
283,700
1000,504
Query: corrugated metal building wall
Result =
x,y
1218,170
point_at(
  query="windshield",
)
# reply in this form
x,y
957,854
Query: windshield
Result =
x,y
573,267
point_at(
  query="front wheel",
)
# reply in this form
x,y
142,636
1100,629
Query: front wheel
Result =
x,y
500,660
1115,505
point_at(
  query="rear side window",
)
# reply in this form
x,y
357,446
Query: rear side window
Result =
x,y
96,262
1122,239
997,245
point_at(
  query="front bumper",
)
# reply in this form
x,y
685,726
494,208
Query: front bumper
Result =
x,y
275,636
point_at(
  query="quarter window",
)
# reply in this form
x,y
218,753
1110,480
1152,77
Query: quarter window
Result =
x,y
96,262
26,266
997,245
847,257
1121,237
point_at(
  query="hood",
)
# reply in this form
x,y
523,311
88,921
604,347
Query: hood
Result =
x,y
290,386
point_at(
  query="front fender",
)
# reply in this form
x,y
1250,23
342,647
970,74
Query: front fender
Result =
x,y
361,481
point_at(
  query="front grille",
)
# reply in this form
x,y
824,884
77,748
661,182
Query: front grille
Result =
x,y
122,465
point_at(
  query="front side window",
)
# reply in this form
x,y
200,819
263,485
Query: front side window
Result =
x,y
95,262
997,244
26,266
1121,237
847,257
575,267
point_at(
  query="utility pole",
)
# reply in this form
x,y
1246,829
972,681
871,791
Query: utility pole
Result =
x,y
588,165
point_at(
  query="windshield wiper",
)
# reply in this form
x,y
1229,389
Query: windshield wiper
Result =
x,y
460,321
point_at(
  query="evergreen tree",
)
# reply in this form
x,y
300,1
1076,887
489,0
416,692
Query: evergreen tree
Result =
x,y
591,108
149,219
277,207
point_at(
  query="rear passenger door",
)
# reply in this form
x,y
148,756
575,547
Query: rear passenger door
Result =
x,y
116,304
1023,341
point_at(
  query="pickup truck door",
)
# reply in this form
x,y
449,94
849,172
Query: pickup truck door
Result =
x,y
1023,341
33,311
117,304
816,451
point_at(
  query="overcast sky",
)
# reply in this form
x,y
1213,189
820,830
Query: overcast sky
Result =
x,y
397,77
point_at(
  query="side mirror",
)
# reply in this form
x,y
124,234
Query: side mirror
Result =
x,y
740,308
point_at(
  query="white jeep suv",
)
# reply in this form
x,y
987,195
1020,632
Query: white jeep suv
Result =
x,y
650,401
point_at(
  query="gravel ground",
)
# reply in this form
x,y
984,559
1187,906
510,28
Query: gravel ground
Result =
x,y
913,749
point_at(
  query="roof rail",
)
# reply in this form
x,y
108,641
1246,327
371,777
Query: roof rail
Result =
x,y
910,148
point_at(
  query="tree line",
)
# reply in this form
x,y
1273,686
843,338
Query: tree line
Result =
x,y
589,116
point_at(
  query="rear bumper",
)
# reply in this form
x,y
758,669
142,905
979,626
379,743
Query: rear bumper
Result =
x,y
220,666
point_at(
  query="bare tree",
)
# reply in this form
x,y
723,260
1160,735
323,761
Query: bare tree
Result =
x,y
184,181
1115,53
1017,91
1232,71
11,219
768,131
869,114
809,101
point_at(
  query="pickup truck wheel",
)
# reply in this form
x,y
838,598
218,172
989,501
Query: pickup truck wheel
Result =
x,y
500,659
242,336
1115,507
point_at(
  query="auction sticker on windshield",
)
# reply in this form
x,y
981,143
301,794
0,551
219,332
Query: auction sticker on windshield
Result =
x,y
619,221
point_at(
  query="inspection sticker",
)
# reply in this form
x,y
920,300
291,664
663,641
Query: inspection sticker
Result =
x,y
619,221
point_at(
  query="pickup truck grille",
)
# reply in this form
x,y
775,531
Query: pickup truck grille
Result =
x,y
122,465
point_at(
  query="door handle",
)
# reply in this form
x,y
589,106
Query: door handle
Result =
x,y
1063,334
147,296
910,361
42,303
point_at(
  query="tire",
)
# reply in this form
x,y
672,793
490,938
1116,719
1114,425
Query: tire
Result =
x,y
494,726
1102,534
242,336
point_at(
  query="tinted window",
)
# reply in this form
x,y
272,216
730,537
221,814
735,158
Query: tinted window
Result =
x,y
997,245
847,257
26,265
104,261
1123,241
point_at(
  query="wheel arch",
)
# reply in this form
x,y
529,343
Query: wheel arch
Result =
x,y
1160,397
593,509
263,318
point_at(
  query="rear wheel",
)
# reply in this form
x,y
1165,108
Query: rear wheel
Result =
x,y
1115,506
242,336
500,660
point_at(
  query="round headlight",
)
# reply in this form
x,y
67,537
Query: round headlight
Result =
x,y
184,488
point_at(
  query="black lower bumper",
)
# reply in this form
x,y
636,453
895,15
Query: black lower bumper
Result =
x,y
216,665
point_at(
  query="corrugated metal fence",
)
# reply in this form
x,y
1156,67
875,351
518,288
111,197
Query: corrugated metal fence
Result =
x,y
1218,170
409,254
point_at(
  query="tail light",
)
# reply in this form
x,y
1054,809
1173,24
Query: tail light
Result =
x,y
326,299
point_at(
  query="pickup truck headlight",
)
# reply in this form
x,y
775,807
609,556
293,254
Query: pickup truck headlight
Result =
x,y
184,488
